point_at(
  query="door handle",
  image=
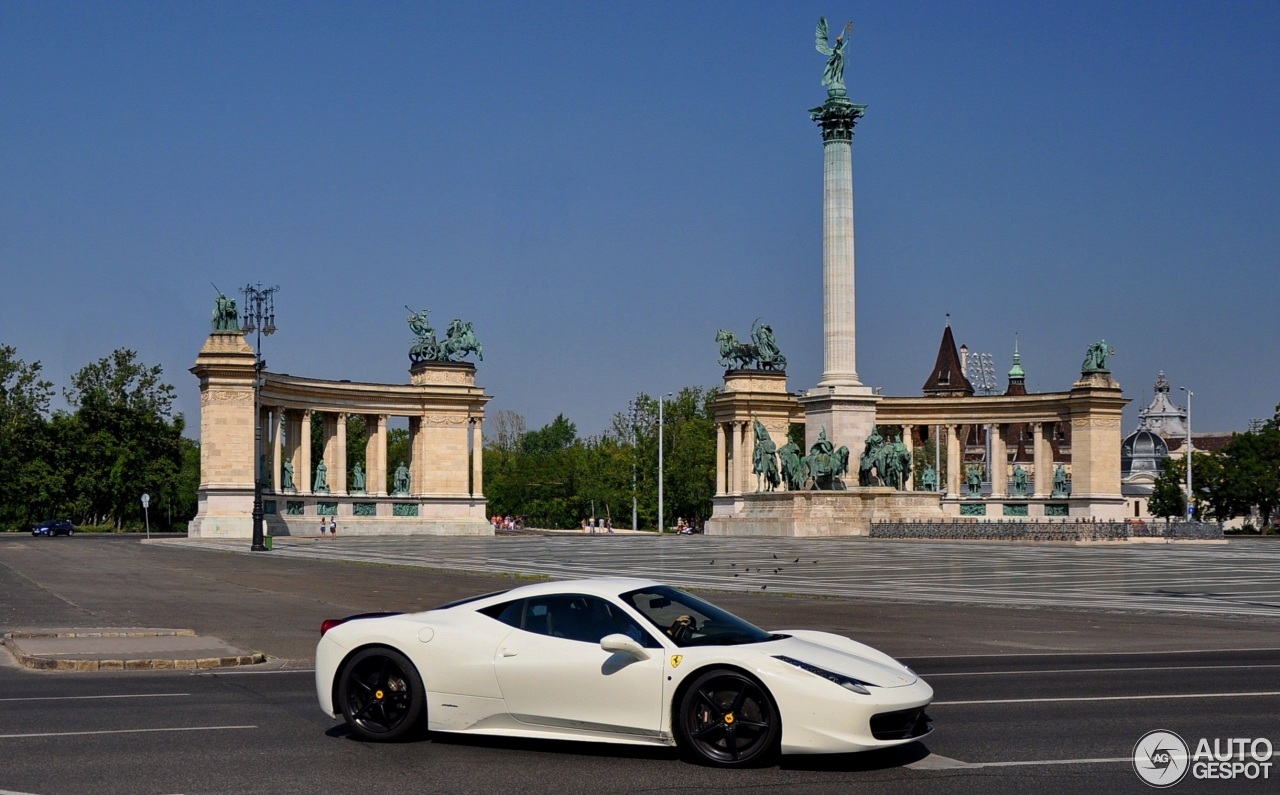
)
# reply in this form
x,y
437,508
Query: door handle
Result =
x,y
508,653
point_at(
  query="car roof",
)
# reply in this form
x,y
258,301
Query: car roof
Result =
x,y
599,586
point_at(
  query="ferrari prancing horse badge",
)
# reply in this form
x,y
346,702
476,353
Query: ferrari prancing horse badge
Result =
x,y
676,659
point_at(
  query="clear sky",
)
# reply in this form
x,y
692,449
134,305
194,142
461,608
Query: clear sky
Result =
x,y
600,186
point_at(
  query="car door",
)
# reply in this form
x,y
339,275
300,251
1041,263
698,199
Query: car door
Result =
x,y
552,671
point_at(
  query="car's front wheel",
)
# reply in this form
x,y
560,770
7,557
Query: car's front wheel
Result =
x,y
381,695
728,719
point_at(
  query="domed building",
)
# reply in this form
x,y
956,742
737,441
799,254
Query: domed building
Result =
x,y
1142,457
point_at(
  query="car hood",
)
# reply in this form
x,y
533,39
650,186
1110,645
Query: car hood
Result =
x,y
843,656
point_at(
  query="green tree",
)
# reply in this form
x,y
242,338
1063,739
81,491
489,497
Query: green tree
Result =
x,y
125,439
1244,477
1167,497
31,486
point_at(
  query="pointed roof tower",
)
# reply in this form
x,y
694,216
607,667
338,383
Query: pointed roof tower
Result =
x,y
948,378
1017,376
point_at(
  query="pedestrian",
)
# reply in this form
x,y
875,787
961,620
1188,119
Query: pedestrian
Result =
x,y
333,527
322,527
609,523
584,525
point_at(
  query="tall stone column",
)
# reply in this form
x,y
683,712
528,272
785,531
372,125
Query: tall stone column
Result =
x,y
1042,457
999,463
338,474
749,460
375,456
953,462
277,448
302,466
720,462
417,461
839,403
744,464
477,457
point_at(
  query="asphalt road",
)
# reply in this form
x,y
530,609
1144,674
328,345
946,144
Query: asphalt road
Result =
x,y
1027,700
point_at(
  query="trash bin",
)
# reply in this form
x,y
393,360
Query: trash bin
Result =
x,y
266,542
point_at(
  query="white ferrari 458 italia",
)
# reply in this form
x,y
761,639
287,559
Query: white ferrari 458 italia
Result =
x,y
615,660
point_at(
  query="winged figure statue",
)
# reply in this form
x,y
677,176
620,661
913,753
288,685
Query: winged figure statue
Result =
x,y
833,76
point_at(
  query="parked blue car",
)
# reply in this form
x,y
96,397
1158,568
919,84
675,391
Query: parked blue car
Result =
x,y
54,527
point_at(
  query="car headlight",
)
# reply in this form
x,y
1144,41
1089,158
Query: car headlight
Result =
x,y
847,682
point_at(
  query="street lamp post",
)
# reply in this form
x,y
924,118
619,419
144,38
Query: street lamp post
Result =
x,y
661,401
259,320
633,411
1190,499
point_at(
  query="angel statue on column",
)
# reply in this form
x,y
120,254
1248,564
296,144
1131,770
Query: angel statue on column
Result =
x,y
833,75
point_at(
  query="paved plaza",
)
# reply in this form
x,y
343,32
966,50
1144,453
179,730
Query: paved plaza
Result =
x,y
1241,578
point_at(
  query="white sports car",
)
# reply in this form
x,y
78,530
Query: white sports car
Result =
x,y
616,660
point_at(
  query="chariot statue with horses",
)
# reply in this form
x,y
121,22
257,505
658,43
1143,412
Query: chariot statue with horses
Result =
x,y
459,340
760,354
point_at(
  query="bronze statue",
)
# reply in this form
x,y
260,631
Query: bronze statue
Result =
x,y
1061,488
764,461
833,75
400,483
286,476
1095,358
357,478
973,480
827,464
762,351
794,470
1020,483
928,479
225,315
321,486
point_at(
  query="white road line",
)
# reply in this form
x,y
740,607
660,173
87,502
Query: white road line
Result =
x,y
1079,653
936,762
123,731
1100,670
85,698
1105,698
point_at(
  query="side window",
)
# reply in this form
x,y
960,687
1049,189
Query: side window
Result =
x,y
579,617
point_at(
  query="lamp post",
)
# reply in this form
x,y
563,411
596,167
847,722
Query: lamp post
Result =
x,y
1190,499
633,411
259,320
661,401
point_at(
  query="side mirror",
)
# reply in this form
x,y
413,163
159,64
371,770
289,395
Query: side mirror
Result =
x,y
619,643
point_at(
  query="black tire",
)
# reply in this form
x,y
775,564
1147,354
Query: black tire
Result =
x,y
727,719
381,695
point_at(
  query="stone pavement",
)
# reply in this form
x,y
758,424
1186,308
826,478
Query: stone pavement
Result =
x,y
1241,578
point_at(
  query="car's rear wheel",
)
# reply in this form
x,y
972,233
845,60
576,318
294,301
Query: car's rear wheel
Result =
x,y
381,695
728,719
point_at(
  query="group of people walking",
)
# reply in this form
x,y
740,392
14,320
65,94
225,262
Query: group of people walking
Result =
x,y
595,523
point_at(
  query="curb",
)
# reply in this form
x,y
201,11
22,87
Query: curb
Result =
x,y
47,663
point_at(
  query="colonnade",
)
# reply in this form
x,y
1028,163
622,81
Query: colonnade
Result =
x,y
287,434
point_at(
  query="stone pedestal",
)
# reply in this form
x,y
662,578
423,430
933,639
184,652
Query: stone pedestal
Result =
x,y
847,413
225,367
801,514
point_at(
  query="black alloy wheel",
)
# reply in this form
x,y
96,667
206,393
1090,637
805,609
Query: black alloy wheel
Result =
x,y
381,695
728,719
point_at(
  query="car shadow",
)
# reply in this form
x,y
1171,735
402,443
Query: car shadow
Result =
x,y
881,759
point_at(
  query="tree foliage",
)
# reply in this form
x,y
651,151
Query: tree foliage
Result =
x,y
555,479
93,463
1167,497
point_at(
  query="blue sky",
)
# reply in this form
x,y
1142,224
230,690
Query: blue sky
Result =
x,y
599,187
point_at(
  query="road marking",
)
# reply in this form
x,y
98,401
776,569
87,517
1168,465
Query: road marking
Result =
x,y
1104,698
936,762
83,698
1077,653
123,731
1103,670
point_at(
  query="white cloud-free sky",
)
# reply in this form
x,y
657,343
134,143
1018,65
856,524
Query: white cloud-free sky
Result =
x,y
600,186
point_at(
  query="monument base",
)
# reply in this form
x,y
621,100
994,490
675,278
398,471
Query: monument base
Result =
x,y
227,513
848,413
809,514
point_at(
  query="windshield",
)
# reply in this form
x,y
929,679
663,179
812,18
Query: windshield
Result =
x,y
689,621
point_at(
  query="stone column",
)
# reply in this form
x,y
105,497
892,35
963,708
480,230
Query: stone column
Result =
x,y
720,460
277,448
477,457
1042,460
302,464
749,432
338,475
953,462
744,465
999,462
837,117
416,459
375,456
